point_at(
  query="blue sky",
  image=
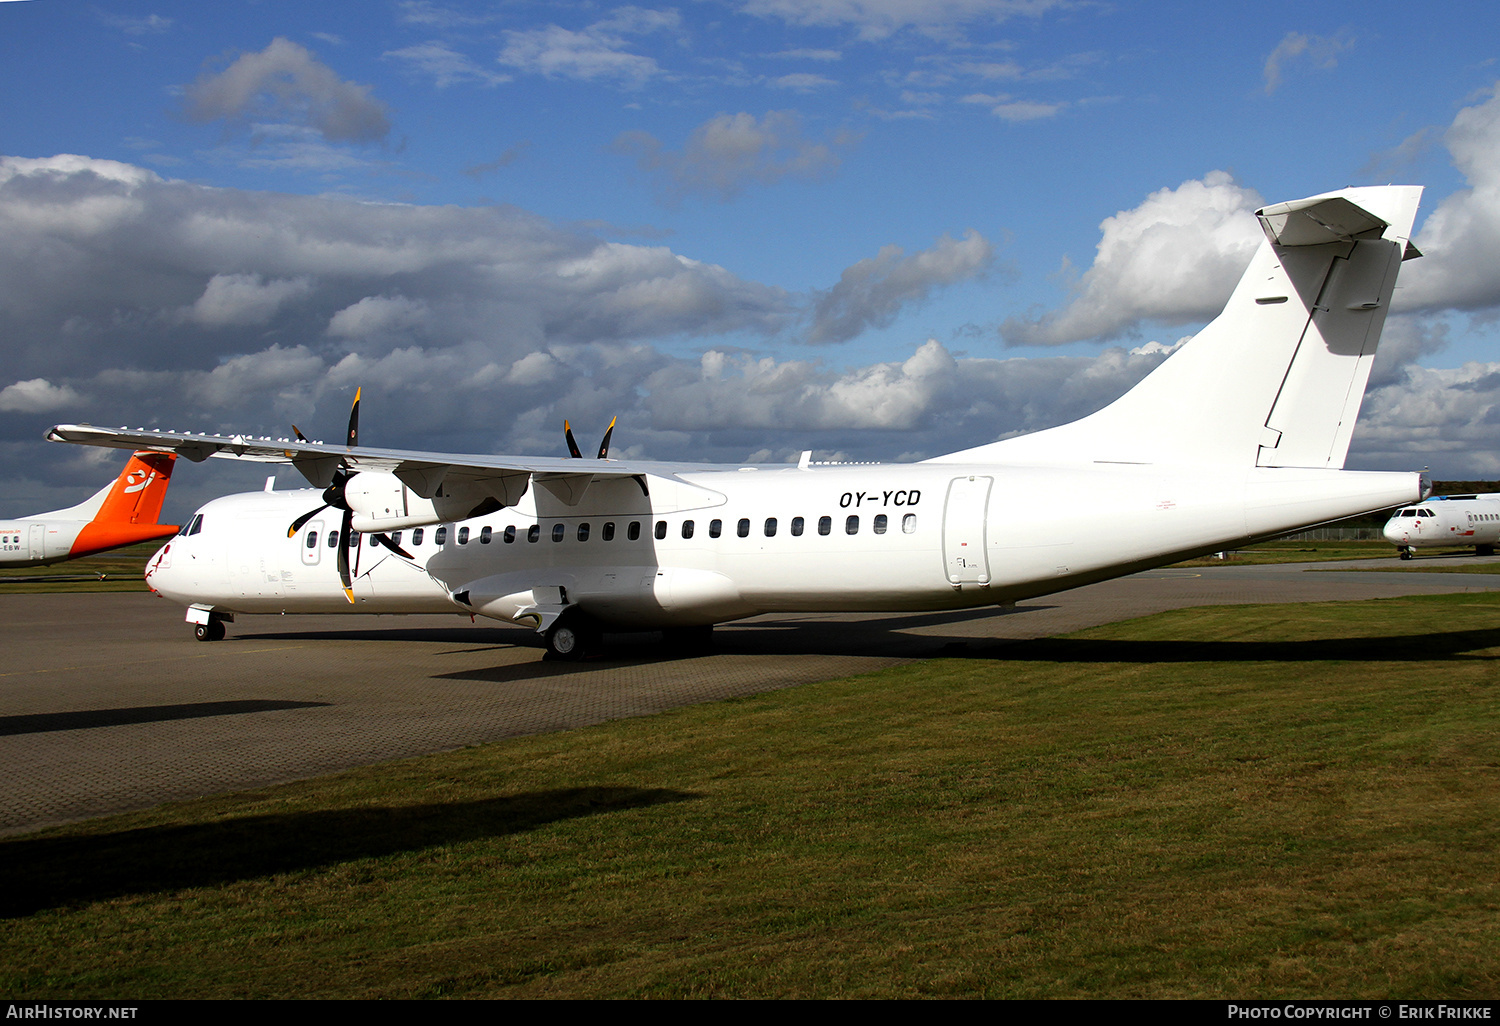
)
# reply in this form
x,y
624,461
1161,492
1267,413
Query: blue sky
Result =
x,y
874,228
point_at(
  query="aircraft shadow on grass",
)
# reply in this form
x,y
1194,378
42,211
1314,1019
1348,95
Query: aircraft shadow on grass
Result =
x,y
43,873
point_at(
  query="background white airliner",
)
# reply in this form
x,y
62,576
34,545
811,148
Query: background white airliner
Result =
x,y
1447,521
1238,436
123,512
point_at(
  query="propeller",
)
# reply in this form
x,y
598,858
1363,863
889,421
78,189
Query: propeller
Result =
x,y
334,497
603,445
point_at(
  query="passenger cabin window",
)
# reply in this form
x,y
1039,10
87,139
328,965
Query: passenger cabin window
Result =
x,y
880,523
463,536
743,528
909,524
510,534
661,529
825,525
440,536
715,528
851,526
583,532
608,533
633,532
558,530
396,537
333,539
797,524
687,528
416,536
534,532
485,535
312,539
770,527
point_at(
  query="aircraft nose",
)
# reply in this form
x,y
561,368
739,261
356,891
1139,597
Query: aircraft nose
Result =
x,y
159,569
1393,533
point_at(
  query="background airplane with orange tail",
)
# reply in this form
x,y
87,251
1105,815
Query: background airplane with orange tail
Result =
x,y
121,513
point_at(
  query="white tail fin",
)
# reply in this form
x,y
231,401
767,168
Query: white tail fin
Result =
x,y
1276,380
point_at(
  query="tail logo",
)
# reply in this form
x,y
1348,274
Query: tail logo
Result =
x,y
135,482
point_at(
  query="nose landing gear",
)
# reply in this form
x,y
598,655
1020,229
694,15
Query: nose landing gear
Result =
x,y
212,630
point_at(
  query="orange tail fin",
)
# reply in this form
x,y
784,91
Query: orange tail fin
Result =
x,y
131,509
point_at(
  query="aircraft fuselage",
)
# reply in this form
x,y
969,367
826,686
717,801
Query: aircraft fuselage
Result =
x,y
715,546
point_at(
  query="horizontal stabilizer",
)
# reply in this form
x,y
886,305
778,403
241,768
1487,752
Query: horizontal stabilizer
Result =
x,y
1312,222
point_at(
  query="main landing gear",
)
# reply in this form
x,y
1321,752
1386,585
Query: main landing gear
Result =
x,y
572,637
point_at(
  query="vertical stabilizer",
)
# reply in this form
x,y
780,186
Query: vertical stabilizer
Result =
x,y
131,507
1276,380
136,496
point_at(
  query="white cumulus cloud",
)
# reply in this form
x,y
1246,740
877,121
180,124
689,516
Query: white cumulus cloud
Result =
x,y
1175,259
37,395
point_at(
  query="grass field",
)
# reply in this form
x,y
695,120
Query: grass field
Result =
x,y
120,570
1246,801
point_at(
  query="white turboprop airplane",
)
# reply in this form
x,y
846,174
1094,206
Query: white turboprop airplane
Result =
x,y
1239,436
1447,521
121,513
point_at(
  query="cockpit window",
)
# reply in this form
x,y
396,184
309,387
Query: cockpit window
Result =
x,y
193,526
1408,512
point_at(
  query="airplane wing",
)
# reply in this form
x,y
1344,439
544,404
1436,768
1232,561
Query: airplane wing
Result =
x,y
423,472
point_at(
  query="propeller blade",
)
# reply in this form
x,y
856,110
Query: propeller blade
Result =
x,y
572,445
385,540
604,445
298,524
353,438
344,578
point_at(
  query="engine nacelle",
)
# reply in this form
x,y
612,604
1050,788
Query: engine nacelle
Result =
x,y
381,502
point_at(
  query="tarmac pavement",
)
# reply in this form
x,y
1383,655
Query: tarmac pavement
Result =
x,y
107,703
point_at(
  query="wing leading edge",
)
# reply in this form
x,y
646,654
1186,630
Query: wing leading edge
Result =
x,y
428,474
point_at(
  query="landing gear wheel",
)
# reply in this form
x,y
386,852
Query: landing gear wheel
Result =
x,y
211,631
572,638
1406,553
1484,550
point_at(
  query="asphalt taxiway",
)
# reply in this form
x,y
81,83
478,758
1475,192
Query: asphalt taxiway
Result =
x,y
108,704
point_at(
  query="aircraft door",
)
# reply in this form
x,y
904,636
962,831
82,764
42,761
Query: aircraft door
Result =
x,y
37,542
311,543
965,558
254,568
